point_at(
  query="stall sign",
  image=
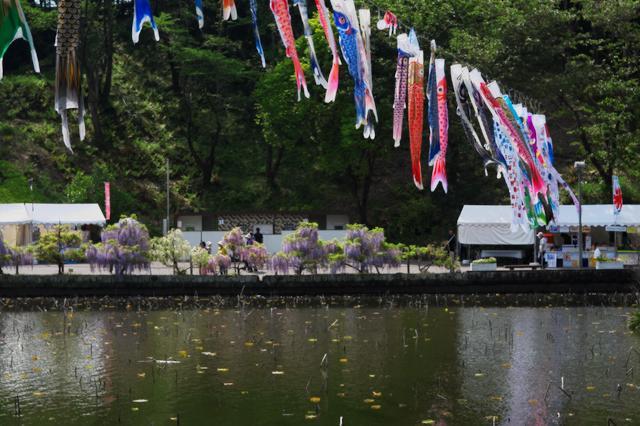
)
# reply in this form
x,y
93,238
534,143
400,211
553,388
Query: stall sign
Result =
x,y
616,228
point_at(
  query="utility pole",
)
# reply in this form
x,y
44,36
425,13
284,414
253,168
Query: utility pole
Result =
x,y
168,220
579,166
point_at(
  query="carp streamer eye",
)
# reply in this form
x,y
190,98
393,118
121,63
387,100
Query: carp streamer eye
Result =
x,y
440,89
342,20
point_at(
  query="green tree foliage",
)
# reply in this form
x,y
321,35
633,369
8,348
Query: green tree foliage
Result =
x,y
57,245
238,140
170,250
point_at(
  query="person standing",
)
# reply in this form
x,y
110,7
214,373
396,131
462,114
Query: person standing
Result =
x,y
451,244
542,248
258,236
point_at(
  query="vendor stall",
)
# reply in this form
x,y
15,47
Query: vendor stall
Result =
x,y
18,221
491,226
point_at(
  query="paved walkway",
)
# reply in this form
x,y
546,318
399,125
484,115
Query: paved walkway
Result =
x,y
159,269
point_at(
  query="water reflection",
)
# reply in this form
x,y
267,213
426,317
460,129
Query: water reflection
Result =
x,y
287,362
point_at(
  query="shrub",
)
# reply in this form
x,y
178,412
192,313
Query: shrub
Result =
x,y
57,245
485,260
170,250
124,248
303,249
364,249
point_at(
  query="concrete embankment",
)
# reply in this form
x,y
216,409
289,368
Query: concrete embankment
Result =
x,y
505,282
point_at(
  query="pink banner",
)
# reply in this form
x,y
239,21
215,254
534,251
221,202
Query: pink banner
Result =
x,y
107,200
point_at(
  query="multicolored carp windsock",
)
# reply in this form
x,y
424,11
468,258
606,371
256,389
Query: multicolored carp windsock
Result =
x,y
308,35
253,5
400,94
484,118
68,76
464,110
352,46
200,13
13,25
142,13
438,119
388,22
416,110
617,195
364,16
280,10
229,10
323,16
513,179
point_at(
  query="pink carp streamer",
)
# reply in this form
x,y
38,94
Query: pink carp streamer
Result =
x,y
400,95
280,10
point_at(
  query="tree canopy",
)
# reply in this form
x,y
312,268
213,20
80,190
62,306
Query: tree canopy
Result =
x,y
238,140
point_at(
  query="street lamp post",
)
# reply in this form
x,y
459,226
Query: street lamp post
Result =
x,y
579,166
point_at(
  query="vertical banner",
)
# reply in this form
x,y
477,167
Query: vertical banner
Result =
x,y
107,200
617,196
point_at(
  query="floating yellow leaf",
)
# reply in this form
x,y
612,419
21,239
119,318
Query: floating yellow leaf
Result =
x,y
314,399
140,401
183,354
209,353
248,344
496,398
376,394
479,374
34,358
369,401
222,370
141,375
533,402
277,373
134,408
428,422
506,365
591,388
313,340
38,393
310,416
341,394
344,360
228,384
376,407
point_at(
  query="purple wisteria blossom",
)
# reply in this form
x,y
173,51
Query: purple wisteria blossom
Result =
x,y
124,248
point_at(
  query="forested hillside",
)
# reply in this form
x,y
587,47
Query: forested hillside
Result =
x,y
238,140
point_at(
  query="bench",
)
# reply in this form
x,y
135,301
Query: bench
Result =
x,y
532,267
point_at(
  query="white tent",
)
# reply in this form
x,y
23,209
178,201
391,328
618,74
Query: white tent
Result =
x,y
491,225
14,214
51,214
599,215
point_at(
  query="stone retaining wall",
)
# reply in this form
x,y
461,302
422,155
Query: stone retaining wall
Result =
x,y
556,281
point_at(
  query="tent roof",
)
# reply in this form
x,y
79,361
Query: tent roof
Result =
x,y
49,214
592,215
599,215
13,214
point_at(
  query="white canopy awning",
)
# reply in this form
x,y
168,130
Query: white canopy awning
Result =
x,y
13,214
491,225
599,215
51,214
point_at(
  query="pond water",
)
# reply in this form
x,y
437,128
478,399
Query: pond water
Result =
x,y
292,361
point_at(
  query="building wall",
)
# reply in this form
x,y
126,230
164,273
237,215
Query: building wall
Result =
x,y
192,223
337,221
272,243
